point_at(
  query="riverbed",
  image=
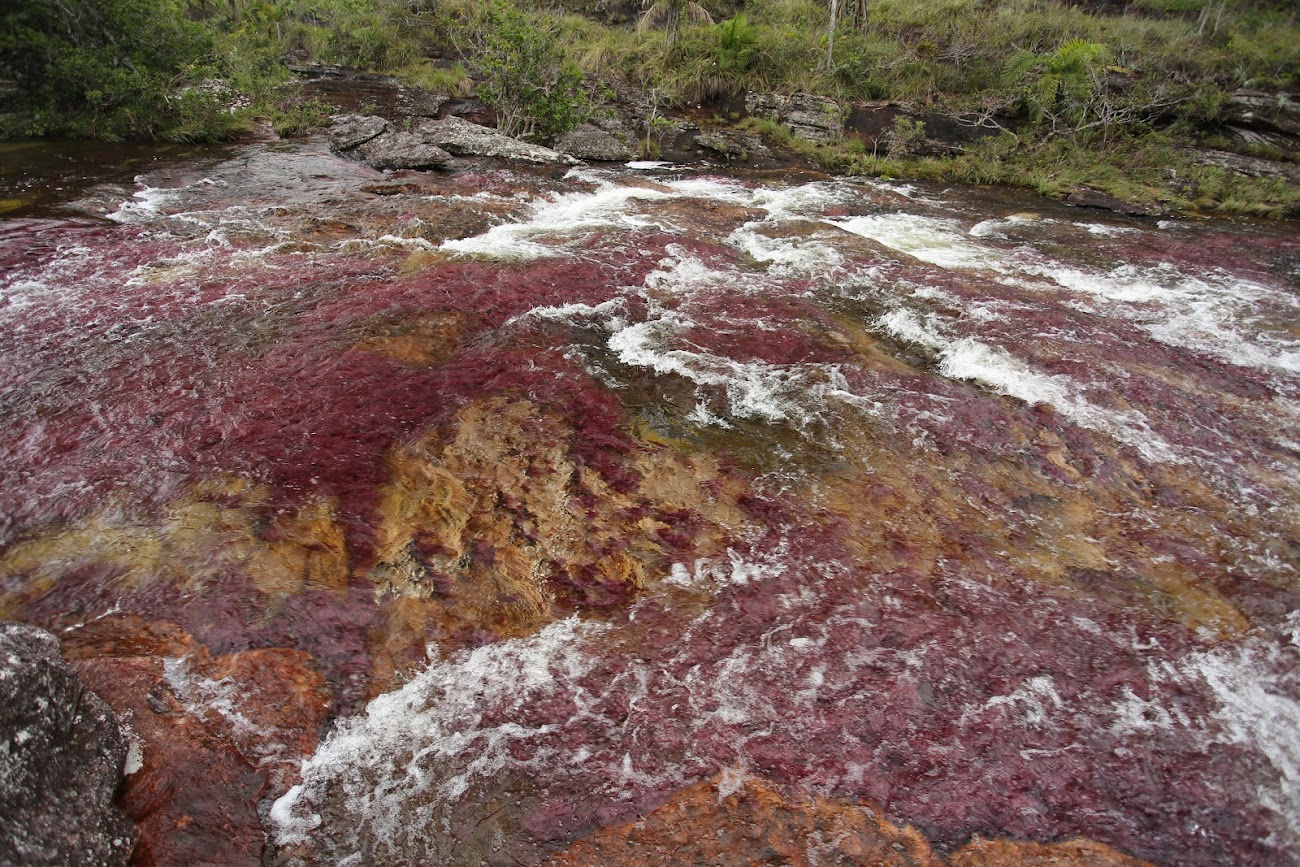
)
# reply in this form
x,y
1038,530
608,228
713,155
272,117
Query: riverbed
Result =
x,y
468,516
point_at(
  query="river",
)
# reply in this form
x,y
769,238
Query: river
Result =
x,y
568,490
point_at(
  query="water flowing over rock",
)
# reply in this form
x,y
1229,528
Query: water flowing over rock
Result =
x,y
213,735
61,758
734,819
504,514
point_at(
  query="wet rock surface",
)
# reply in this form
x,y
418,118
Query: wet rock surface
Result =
x,y
940,514
212,736
61,759
735,819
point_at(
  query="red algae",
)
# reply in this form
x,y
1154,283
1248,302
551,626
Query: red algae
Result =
x,y
1000,547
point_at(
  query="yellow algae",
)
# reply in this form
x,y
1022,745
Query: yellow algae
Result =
x,y
190,543
419,342
492,519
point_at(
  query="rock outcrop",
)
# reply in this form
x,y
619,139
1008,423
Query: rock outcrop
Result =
x,y
1087,197
591,143
731,145
463,138
812,118
397,149
1274,112
1254,167
374,141
62,754
352,130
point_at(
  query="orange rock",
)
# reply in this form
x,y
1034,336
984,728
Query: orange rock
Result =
x,y
194,798
725,822
1015,853
492,525
713,823
215,735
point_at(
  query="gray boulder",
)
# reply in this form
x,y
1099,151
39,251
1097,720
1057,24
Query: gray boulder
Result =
x,y
591,143
61,760
349,131
463,138
374,141
402,150
1262,110
732,145
1250,166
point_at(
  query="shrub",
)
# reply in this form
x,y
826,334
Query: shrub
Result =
x,y
108,68
523,74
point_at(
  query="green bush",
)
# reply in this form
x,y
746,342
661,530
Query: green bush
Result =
x,y
109,68
523,73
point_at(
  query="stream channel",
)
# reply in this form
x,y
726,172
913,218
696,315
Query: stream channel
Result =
x,y
464,517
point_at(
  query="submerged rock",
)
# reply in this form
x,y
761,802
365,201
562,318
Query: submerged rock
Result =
x,y
589,142
61,759
216,735
734,819
463,138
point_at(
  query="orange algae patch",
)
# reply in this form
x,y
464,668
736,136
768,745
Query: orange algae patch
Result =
x,y
727,821
496,523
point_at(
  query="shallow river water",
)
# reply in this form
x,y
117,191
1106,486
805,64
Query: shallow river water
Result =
x,y
571,489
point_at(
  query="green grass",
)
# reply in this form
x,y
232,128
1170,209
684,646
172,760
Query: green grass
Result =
x,y
1150,80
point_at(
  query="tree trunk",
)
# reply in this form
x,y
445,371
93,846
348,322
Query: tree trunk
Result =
x,y
830,35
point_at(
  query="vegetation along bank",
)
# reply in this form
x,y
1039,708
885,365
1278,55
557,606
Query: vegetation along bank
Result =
x,y
1150,105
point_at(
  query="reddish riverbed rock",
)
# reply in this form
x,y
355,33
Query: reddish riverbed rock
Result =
x,y
215,736
725,821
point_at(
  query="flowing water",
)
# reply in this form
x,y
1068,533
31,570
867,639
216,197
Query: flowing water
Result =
x,y
579,487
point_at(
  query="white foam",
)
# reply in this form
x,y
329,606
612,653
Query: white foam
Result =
x,y
971,359
786,257
1260,711
735,570
996,226
1033,703
430,737
930,239
1211,313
